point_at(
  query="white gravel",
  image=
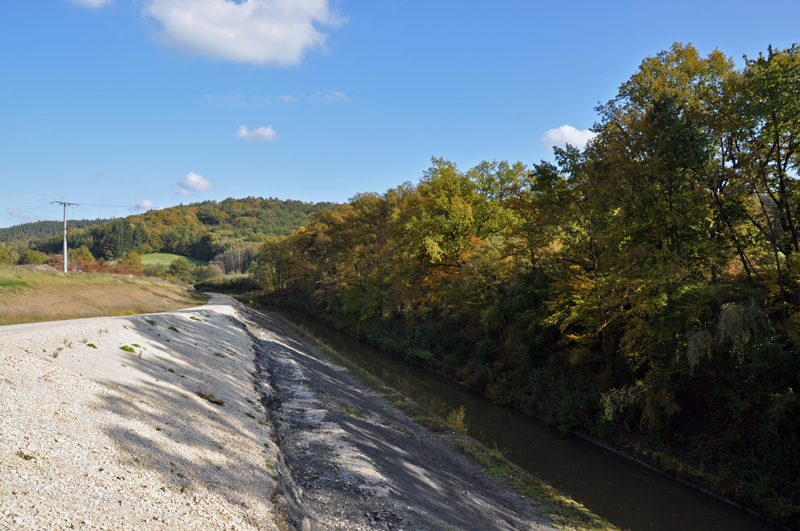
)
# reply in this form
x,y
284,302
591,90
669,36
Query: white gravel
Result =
x,y
103,438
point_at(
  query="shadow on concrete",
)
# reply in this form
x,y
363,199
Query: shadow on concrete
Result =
x,y
366,459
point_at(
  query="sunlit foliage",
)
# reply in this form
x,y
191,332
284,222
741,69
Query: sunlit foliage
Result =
x,y
647,285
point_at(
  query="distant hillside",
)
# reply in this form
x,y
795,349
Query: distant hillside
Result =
x,y
198,230
43,229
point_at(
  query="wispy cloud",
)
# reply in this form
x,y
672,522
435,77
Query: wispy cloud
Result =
x,y
335,95
193,183
253,31
566,134
242,100
262,134
21,217
94,4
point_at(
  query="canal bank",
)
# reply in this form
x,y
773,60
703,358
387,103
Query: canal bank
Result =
x,y
350,459
627,493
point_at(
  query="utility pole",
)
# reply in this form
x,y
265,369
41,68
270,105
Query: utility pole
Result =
x,y
65,229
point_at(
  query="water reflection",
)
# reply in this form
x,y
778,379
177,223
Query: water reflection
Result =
x,y
629,495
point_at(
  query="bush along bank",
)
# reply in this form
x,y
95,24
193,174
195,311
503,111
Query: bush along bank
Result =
x,y
555,393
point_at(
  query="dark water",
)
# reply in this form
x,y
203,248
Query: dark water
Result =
x,y
631,496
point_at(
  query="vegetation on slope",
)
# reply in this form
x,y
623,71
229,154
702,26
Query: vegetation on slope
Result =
x,y
643,290
228,233
28,296
40,230
165,259
199,230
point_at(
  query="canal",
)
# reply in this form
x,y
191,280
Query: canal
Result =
x,y
629,495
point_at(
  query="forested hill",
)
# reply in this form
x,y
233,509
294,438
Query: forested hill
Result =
x,y
200,230
43,229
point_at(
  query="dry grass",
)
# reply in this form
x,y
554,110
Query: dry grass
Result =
x,y
28,296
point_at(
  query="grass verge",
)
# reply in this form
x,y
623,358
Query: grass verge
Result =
x,y
167,258
29,296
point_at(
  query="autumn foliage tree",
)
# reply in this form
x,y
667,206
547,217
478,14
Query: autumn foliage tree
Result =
x,y
645,286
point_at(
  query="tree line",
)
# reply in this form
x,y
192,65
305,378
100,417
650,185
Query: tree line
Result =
x,y
227,232
644,290
40,230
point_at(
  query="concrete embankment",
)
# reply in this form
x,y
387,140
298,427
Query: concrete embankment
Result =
x,y
218,418
350,461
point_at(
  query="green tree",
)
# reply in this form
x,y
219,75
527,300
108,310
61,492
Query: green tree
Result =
x,y
767,114
209,216
208,246
31,257
133,259
265,268
646,284
180,267
81,253
437,225
8,255
209,272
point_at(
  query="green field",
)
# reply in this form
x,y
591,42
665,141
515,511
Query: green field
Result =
x,y
167,258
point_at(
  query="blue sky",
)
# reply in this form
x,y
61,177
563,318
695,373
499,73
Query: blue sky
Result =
x,y
158,102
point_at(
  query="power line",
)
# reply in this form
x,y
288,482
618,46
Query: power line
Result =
x,y
32,208
36,205
48,206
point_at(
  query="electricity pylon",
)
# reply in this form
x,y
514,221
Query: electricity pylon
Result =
x,y
65,229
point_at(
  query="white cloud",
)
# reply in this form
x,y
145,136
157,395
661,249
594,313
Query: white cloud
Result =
x,y
336,95
193,183
94,4
146,205
21,217
288,97
566,134
262,134
249,31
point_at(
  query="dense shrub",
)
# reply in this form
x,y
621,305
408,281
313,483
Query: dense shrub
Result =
x,y
31,257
